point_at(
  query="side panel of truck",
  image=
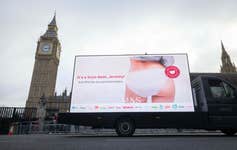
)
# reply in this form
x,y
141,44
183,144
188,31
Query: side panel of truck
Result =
x,y
191,120
131,83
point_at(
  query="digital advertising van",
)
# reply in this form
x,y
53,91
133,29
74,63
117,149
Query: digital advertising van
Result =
x,y
129,92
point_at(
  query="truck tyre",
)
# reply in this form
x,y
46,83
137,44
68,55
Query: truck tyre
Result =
x,y
125,127
229,132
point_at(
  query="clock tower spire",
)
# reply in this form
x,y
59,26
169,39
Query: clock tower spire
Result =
x,y
52,30
227,65
45,69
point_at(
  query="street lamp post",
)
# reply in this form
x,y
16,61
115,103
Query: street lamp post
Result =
x,y
42,112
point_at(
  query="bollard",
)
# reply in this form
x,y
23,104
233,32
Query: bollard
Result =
x,y
11,129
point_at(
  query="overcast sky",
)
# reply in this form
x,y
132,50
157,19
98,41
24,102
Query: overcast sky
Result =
x,y
111,27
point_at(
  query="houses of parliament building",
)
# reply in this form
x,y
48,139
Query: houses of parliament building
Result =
x,y
47,57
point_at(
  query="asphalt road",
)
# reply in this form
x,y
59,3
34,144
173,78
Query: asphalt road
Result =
x,y
164,142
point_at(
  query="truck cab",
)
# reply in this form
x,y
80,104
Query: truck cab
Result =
x,y
216,94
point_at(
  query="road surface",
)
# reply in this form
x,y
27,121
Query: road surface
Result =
x,y
164,142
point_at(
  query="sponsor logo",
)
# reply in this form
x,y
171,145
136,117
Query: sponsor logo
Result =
x,y
111,107
138,107
127,107
167,107
82,107
161,107
74,107
102,107
174,106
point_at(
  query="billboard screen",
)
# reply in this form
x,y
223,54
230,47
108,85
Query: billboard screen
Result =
x,y
131,83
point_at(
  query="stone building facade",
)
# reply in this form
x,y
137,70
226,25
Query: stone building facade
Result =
x,y
44,75
58,103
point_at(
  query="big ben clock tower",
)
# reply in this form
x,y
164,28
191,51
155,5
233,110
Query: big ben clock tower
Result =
x,y
46,66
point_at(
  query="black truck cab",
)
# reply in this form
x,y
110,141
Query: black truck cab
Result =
x,y
216,94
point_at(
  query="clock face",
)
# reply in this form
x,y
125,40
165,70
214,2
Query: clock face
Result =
x,y
45,47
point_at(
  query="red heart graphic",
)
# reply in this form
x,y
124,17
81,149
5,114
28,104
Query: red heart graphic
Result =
x,y
172,71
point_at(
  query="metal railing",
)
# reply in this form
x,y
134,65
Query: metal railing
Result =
x,y
8,115
33,127
17,113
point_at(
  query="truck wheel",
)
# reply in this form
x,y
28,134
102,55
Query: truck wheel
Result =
x,y
229,132
125,127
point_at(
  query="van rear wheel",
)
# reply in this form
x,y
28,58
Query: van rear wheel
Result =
x,y
229,132
125,127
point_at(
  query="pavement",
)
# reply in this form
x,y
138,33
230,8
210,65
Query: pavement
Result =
x,y
138,142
